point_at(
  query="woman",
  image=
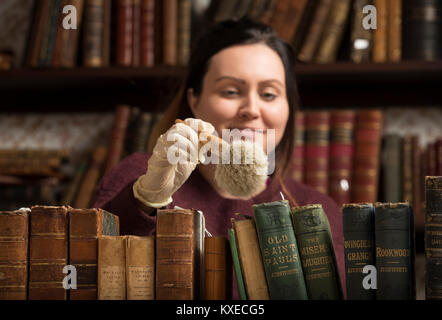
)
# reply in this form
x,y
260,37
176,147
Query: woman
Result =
x,y
241,75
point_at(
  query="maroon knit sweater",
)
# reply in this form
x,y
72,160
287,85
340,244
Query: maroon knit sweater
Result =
x,y
115,195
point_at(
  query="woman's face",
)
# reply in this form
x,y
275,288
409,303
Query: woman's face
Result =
x,y
244,88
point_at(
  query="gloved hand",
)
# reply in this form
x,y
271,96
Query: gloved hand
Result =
x,y
164,174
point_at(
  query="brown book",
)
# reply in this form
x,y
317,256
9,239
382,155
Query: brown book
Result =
x,y
184,31
367,144
278,17
91,177
106,41
48,252
250,259
124,40
174,254
136,33
215,268
147,33
39,23
292,19
332,35
361,39
170,28
380,35
394,30
407,169
432,159
225,10
122,114
256,9
314,33
268,12
85,226
93,33
140,268
112,268
14,254
439,157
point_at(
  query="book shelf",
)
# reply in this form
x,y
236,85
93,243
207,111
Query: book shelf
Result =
x,y
345,84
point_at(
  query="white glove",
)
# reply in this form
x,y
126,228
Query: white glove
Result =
x,y
164,174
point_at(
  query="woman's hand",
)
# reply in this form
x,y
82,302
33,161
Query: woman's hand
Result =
x,y
174,157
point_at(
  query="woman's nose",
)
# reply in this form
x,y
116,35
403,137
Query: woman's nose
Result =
x,y
249,109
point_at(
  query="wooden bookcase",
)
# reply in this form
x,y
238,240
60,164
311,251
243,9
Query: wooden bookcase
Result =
x,y
412,83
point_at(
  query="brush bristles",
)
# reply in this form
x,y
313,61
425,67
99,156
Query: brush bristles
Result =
x,y
244,177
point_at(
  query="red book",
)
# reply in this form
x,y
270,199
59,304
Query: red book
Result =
x,y
147,41
297,166
136,33
124,32
122,114
368,130
432,160
317,150
341,155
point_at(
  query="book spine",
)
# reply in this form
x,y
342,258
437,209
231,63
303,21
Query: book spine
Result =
x,y
72,189
39,21
106,40
47,49
122,114
361,39
341,155
215,268
142,129
136,33
394,239
85,226
124,38
419,216
432,159
112,268
367,143
49,229
317,150
279,250
407,169
140,268
422,20
358,229
299,148
333,33
69,43
433,238
315,243
394,30
392,168
380,35
256,10
277,22
439,157
237,265
174,255
225,10
313,37
292,19
268,12
93,33
184,31
251,259
91,177
147,42
14,235
170,28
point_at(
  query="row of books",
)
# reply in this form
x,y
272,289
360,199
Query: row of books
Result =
x,y
383,236
148,32
342,153
325,31
279,253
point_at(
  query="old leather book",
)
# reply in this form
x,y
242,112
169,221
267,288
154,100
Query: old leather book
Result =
x,y
147,33
317,254
48,252
380,35
124,39
140,268
175,254
13,254
112,268
215,268
250,259
85,226
170,32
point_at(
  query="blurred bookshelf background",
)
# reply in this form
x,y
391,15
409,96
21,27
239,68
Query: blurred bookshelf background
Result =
x,y
75,102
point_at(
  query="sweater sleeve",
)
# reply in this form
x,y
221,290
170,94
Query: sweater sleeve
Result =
x,y
114,194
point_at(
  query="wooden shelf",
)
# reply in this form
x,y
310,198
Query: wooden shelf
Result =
x,y
321,86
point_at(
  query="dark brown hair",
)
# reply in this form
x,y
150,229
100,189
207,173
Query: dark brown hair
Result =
x,y
221,36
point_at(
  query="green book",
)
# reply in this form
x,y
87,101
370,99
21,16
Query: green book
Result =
x,y
392,168
394,239
317,253
237,265
358,229
282,264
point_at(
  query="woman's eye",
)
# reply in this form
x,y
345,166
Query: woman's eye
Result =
x,y
230,93
269,96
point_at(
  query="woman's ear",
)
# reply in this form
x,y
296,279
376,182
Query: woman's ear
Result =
x,y
192,100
